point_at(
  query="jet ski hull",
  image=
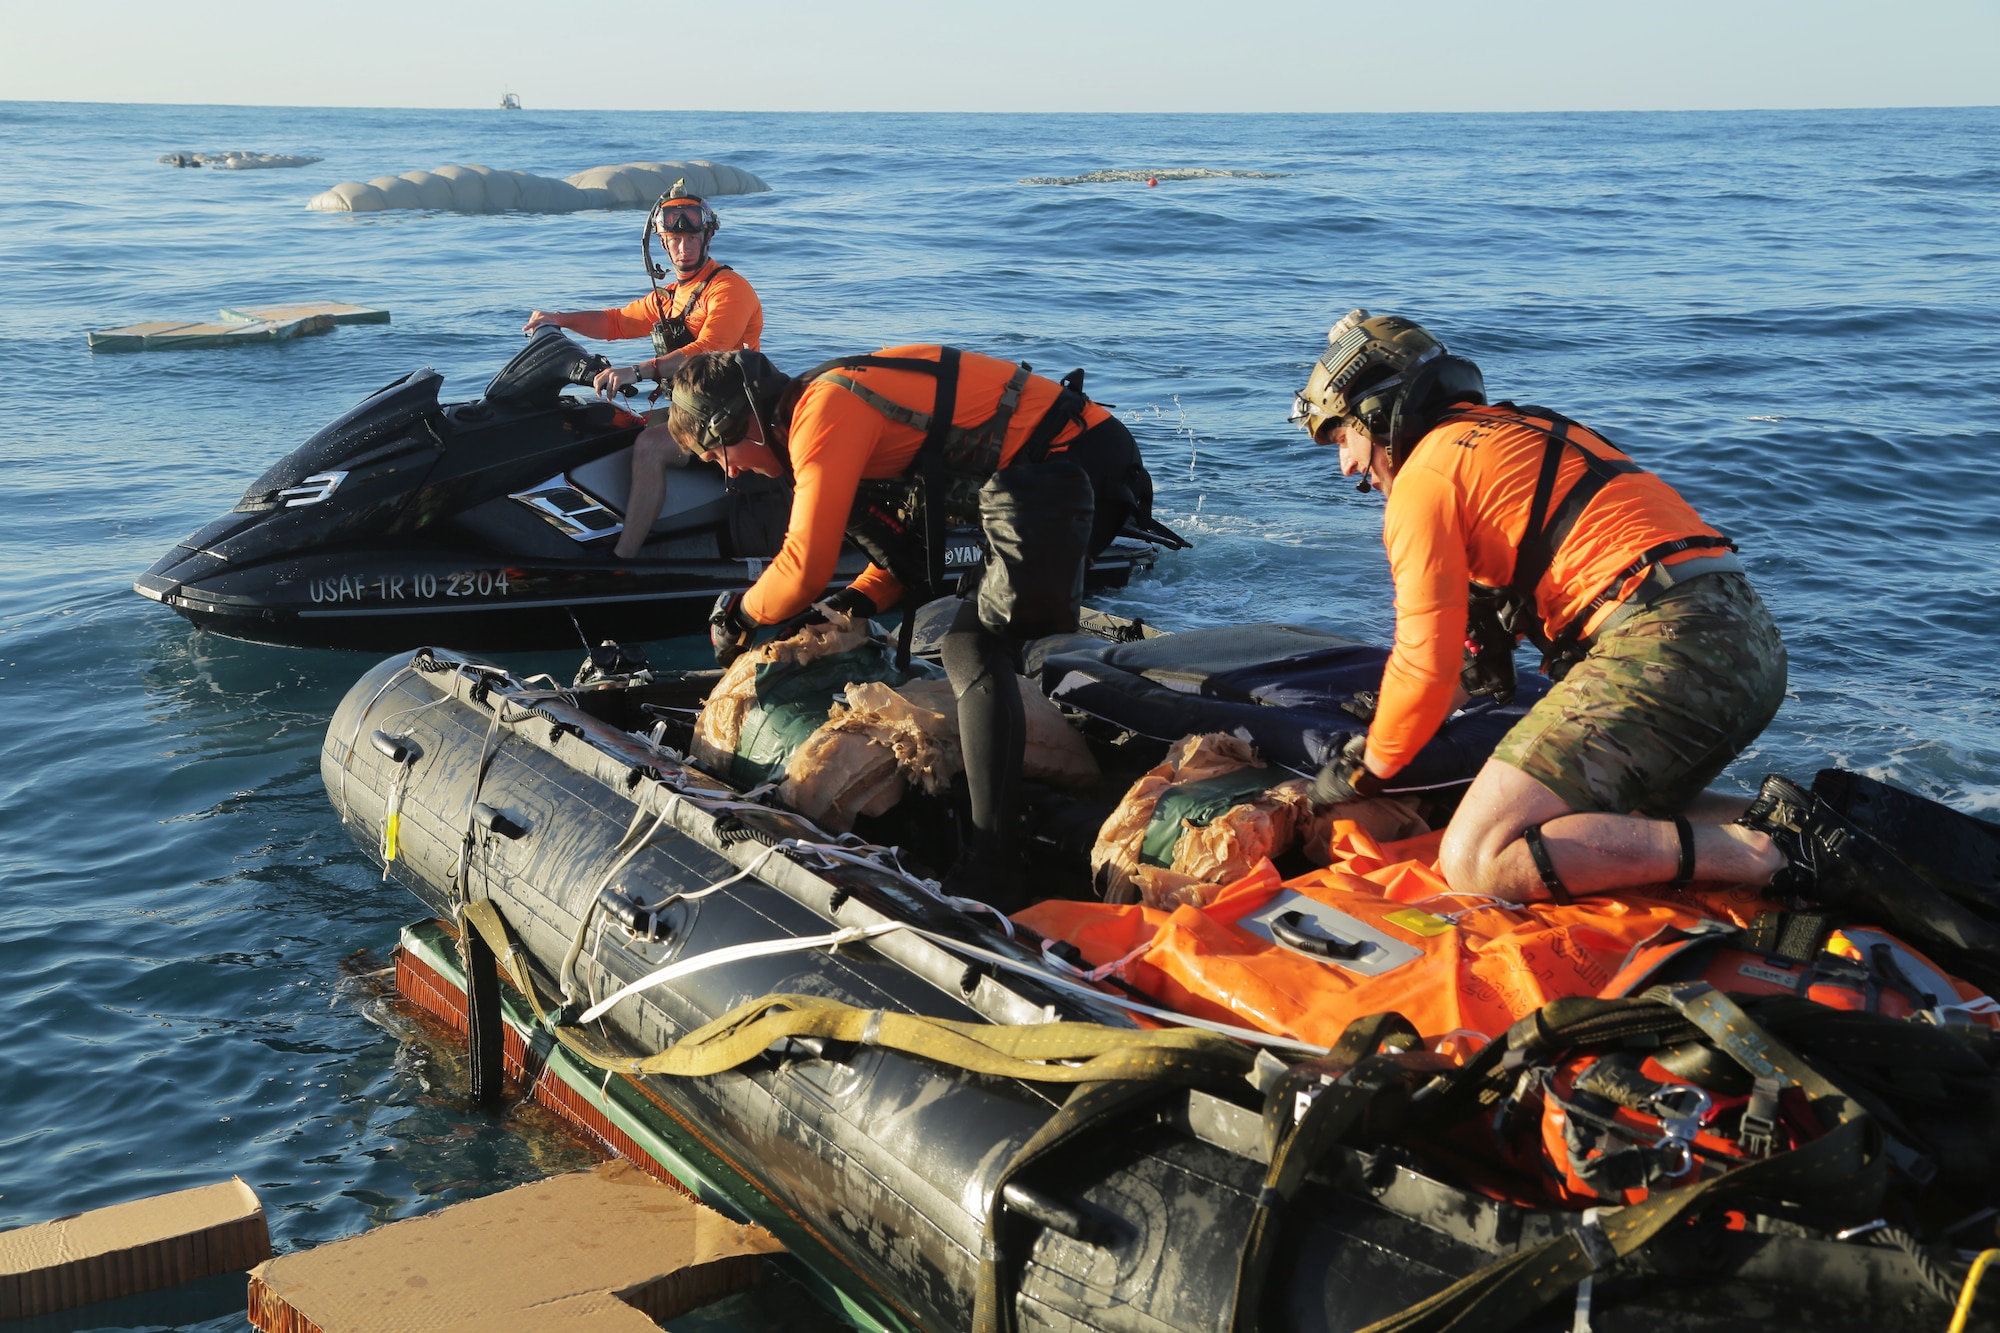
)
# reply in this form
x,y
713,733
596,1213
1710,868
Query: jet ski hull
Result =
x,y
388,599
879,1167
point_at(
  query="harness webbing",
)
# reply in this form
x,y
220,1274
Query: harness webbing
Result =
x,y
694,296
1550,523
672,323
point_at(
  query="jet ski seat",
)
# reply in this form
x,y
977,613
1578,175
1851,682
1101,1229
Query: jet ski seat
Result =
x,y
1289,689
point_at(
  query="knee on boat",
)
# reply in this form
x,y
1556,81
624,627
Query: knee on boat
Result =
x,y
655,447
1470,861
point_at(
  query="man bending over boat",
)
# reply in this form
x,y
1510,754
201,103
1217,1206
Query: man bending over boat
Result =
x,y
708,307
887,450
1667,662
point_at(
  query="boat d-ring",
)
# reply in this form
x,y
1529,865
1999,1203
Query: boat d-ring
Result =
x,y
1288,930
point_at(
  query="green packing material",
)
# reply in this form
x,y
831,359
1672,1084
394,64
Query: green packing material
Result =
x,y
793,700
1196,803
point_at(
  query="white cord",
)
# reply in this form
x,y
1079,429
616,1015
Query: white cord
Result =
x,y
737,953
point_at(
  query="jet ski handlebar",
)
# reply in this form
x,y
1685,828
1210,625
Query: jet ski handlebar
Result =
x,y
587,370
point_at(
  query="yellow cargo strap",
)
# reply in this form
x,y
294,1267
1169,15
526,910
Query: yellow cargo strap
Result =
x,y
1042,1052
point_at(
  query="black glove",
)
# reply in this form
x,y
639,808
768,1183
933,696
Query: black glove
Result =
x,y
853,602
1345,777
730,629
1489,648
847,601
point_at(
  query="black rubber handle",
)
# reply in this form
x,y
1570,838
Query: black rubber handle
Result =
x,y
397,749
494,822
1286,930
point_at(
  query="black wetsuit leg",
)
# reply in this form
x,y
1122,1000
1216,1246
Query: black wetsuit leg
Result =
x,y
993,732
982,665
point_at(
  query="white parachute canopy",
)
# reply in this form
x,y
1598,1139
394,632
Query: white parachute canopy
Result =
x,y
477,189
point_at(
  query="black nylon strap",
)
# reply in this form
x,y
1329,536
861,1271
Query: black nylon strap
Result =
x,y
1531,557
1545,865
693,297
930,465
1539,546
1646,559
1066,408
912,363
1684,872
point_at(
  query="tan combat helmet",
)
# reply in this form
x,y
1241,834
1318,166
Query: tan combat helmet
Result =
x,y
1391,373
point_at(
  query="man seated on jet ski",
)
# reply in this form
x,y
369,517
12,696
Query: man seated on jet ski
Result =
x,y
887,449
709,307
1668,662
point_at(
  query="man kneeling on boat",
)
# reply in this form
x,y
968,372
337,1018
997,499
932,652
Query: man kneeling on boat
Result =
x,y
1667,662
890,450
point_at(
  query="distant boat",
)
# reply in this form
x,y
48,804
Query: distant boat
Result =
x,y
510,101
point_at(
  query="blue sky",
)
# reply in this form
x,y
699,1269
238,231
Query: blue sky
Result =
x,y
1026,55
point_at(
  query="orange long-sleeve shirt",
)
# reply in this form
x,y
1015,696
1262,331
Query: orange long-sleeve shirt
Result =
x,y
726,317
837,440
1457,512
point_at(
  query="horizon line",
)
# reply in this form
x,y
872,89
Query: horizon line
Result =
x,y
743,111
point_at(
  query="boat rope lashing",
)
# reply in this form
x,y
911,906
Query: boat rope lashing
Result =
x,y
622,853
1843,1171
1040,1052
487,750
392,817
929,888
1311,1108
736,953
354,736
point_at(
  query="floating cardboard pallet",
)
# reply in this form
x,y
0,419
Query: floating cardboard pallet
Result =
x,y
333,310
131,1247
594,1251
239,324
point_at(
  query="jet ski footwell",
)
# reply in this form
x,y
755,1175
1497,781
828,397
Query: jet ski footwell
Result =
x,y
879,1168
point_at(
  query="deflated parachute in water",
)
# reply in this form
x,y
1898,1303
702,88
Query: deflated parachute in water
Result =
x,y
477,189
1157,177
234,160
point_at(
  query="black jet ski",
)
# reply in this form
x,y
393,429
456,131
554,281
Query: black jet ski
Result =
x,y
562,840
487,524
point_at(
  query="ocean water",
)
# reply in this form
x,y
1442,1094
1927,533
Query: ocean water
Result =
x,y
1795,318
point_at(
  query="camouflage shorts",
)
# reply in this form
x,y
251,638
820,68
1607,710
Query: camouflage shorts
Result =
x,y
1662,704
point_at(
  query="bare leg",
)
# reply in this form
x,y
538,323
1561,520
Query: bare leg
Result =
x,y
652,454
1716,807
1594,853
